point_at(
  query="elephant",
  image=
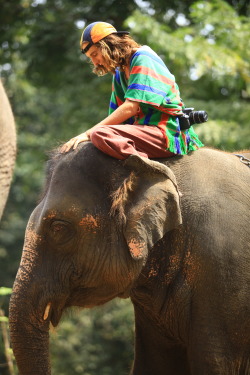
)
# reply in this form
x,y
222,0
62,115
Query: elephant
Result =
x,y
170,234
8,147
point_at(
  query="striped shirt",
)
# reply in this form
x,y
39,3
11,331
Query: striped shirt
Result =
x,y
152,85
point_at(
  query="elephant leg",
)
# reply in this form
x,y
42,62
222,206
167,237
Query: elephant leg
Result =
x,y
155,353
218,353
217,363
219,329
161,361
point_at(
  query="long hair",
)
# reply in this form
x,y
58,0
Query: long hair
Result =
x,y
117,51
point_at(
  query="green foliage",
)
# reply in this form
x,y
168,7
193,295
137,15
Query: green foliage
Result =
x,y
228,128
212,45
4,297
99,341
5,291
211,63
6,353
4,319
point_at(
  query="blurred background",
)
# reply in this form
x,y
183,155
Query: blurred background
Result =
x,y
55,96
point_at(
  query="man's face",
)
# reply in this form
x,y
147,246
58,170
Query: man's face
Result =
x,y
95,55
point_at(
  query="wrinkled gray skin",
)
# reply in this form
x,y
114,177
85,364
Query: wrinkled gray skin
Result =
x,y
106,228
7,147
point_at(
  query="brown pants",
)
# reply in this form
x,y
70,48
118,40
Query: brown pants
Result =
x,y
120,141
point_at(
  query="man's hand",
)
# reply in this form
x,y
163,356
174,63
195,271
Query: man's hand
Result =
x,y
84,137
126,110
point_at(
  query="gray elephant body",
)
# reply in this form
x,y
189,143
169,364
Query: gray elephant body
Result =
x,y
106,228
7,147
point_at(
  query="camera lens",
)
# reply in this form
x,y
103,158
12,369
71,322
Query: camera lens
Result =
x,y
197,117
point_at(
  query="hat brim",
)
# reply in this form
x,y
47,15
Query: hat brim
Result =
x,y
84,50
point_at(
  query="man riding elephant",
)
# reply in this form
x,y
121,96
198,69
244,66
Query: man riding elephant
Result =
x,y
145,104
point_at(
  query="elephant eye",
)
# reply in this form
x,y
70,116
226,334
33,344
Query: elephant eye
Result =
x,y
60,231
57,226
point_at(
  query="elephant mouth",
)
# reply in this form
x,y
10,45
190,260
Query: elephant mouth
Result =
x,y
82,298
56,317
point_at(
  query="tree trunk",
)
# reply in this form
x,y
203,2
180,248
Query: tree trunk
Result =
x,y
4,327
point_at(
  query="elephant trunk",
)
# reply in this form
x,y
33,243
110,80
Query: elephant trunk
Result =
x,y
29,331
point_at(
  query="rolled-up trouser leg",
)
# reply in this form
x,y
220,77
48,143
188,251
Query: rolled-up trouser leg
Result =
x,y
120,141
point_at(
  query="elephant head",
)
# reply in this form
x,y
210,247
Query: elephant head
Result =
x,y
86,242
8,147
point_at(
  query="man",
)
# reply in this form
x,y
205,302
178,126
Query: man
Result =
x,y
145,100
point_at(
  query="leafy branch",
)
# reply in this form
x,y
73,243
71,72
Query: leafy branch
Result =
x,y
4,327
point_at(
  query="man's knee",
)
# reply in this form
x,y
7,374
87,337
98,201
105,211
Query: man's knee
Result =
x,y
99,134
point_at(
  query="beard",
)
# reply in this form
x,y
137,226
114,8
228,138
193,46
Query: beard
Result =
x,y
100,70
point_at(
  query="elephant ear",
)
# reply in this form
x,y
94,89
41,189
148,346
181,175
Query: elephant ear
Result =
x,y
153,207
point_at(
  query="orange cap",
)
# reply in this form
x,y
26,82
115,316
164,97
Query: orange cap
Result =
x,y
95,32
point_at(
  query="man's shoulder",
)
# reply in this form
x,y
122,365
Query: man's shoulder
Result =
x,y
143,51
145,54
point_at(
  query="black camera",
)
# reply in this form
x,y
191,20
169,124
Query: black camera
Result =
x,y
191,117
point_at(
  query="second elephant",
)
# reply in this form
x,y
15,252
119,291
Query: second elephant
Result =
x,y
7,147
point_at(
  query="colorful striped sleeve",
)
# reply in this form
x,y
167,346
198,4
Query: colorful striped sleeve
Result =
x,y
150,82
